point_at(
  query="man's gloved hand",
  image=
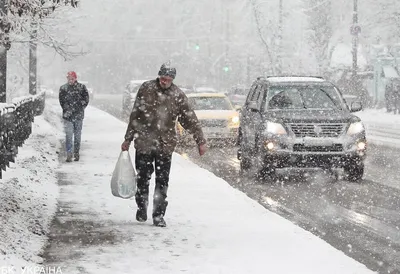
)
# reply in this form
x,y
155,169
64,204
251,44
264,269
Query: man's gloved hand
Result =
x,y
125,145
202,149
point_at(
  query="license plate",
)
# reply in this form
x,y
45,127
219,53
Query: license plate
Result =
x,y
317,142
213,130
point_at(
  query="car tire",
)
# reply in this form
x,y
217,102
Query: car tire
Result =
x,y
245,162
266,173
354,171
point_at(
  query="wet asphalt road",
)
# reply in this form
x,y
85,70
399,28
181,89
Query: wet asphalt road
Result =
x,y
361,219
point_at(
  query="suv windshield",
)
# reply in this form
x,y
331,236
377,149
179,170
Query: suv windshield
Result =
x,y
302,97
210,103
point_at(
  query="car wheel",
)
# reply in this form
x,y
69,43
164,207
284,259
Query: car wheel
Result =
x,y
245,162
266,173
354,171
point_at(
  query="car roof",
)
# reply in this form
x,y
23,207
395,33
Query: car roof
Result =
x,y
205,89
206,94
296,79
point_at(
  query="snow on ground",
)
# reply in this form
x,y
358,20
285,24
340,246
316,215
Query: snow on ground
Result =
x,y
3,105
212,227
382,128
28,195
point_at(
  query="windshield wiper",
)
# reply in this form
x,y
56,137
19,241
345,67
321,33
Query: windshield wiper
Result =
x,y
302,99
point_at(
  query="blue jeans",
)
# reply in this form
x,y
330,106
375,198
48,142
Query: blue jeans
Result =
x,y
73,129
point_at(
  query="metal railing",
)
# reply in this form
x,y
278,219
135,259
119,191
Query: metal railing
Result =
x,y
16,126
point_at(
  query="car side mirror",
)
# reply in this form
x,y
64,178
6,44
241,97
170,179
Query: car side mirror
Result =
x,y
238,108
356,106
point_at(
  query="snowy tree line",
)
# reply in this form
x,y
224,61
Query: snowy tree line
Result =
x,y
21,22
219,43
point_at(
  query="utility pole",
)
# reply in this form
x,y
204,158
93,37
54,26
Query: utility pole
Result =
x,y
280,35
355,29
227,65
33,58
3,51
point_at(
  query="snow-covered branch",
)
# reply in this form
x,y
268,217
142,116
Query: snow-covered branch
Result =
x,y
260,33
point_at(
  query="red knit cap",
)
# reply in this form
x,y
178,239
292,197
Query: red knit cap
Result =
x,y
72,74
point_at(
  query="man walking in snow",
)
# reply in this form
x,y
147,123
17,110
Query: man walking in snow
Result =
x,y
74,98
396,95
389,98
159,104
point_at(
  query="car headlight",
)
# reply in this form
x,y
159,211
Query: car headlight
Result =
x,y
355,128
275,128
235,120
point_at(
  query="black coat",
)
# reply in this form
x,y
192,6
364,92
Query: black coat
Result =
x,y
73,100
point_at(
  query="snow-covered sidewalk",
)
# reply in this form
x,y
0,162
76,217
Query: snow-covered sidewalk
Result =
x,y
28,199
212,227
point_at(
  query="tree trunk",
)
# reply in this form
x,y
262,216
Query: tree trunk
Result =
x,y
3,55
33,60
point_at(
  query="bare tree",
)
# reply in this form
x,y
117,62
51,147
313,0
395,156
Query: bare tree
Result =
x,y
260,31
320,30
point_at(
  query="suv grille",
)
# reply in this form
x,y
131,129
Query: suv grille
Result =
x,y
334,148
214,123
317,130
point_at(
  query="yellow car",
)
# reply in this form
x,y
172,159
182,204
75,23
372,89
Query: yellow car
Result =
x,y
218,118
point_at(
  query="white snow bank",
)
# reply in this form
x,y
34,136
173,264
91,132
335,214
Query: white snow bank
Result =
x,y
28,196
382,128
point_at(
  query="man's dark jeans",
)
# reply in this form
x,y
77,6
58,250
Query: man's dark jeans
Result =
x,y
145,168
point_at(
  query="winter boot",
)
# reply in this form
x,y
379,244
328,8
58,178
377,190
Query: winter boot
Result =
x,y
76,155
159,213
69,157
142,204
159,221
141,214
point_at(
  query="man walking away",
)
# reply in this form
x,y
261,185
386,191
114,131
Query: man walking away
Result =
x,y
389,96
396,96
74,98
159,104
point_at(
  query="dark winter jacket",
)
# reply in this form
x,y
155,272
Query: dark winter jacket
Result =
x,y
73,100
153,119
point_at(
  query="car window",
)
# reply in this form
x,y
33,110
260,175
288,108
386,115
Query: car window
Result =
x,y
256,95
251,92
210,103
303,97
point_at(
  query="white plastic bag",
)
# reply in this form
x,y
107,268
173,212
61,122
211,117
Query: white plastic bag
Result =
x,y
123,181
